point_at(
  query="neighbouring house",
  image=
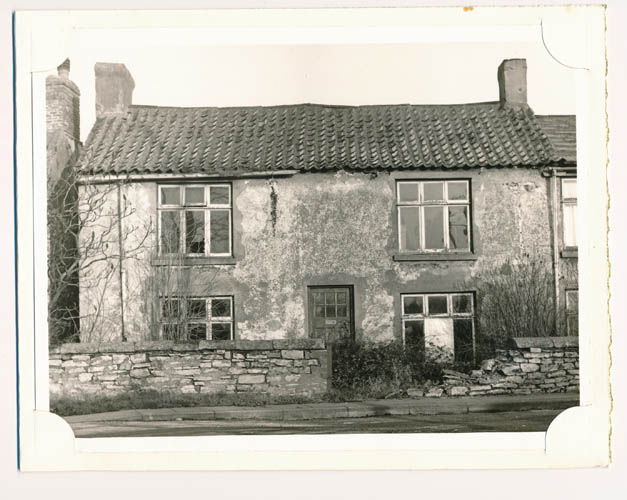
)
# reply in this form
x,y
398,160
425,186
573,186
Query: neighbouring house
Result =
x,y
314,221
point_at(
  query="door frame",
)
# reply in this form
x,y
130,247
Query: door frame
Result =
x,y
351,307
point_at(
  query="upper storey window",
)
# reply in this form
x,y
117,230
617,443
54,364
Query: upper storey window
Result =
x,y
195,220
569,211
433,216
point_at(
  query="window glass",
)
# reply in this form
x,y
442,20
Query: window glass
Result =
x,y
219,195
458,227
170,308
194,196
220,331
341,297
170,195
408,191
434,227
341,311
433,191
197,308
570,226
197,331
221,308
220,237
462,303
462,340
414,332
171,331
410,228
569,188
412,304
195,231
438,304
457,191
170,231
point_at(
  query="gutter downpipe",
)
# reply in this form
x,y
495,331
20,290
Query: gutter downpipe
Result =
x,y
554,211
121,261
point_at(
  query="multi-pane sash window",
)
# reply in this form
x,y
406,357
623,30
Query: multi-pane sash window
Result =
x,y
572,312
569,211
195,220
433,216
197,318
444,320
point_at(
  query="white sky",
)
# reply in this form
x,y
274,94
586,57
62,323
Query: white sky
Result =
x,y
419,73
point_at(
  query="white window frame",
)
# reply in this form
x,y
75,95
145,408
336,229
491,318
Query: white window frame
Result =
x,y
568,202
421,205
208,321
207,207
425,309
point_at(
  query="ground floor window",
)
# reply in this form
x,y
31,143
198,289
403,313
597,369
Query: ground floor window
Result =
x,y
441,321
197,318
572,312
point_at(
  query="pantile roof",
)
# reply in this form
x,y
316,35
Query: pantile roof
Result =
x,y
313,137
562,132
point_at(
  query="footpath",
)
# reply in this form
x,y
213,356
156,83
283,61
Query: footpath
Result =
x,y
310,411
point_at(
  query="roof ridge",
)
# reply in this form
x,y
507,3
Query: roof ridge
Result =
x,y
321,105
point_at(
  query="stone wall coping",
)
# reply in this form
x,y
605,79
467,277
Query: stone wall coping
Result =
x,y
547,342
168,345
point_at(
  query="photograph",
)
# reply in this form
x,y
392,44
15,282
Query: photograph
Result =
x,y
312,267
289,239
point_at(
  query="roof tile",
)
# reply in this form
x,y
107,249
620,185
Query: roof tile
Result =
x,y
150,139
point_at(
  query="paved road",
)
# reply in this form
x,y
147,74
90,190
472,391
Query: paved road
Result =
x,y
515,421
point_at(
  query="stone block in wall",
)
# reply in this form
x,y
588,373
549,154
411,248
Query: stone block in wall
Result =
x,y
563,342
154,345
529,367
251,379
509,370
292,354
298,344
78,348
116,347
457,391
140,373
184,347
253,345
528,342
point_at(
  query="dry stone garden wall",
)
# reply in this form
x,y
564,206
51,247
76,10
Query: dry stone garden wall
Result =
x,y
277,367
531,365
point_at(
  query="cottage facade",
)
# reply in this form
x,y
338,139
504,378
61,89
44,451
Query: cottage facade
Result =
x,y
313,221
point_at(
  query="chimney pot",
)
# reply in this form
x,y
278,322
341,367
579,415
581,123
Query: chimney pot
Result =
x,y
63,70
114,89
512,76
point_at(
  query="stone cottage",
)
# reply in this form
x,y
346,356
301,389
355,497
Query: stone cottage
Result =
x,y
314,221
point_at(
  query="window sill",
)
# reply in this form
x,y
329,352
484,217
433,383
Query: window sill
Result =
x,y
569,253
425,257
194,261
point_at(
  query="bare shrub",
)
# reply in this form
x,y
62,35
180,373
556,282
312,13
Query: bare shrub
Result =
x,y
516,299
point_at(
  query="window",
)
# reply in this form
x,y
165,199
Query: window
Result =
x,y
433,216
196,318
569,211
195,220
572,312
442,320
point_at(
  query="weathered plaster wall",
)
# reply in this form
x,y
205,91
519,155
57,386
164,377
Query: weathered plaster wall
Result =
x,y
283,367
334,229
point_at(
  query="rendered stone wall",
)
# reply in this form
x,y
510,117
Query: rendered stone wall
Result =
x,y
530,365
279,367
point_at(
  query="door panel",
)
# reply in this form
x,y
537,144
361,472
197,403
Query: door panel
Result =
x,y
330,313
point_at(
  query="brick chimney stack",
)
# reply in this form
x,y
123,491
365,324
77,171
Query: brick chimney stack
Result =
x,y
62,120
512,76
114,89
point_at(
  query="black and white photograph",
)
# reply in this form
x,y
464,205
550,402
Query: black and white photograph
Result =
x,y
280,239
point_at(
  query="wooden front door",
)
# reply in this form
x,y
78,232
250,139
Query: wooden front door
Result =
x,y
331,313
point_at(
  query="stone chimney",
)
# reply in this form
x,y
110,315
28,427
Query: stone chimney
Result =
x,y
512,75
62,120
114,89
